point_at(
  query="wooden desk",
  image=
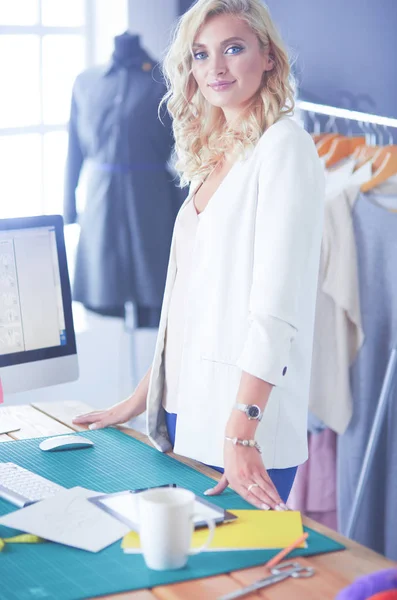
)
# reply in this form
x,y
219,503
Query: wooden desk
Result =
x,y
334,571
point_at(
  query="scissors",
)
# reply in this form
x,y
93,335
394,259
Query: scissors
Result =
x,y
283,571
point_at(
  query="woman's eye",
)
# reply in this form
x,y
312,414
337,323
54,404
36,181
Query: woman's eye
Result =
x,y
234,50
203,55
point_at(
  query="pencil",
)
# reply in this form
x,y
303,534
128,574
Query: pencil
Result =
x,y
279,557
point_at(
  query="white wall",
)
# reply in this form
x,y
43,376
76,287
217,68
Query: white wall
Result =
x,y
110,18
153,20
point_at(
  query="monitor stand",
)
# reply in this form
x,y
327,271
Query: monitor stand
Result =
x,y
7,424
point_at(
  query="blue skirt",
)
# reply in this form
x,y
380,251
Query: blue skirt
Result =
x,y
282,478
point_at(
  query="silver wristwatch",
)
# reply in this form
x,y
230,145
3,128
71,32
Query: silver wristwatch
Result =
x,y
252,411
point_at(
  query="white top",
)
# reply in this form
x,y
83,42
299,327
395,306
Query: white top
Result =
x,y
250,304
185,234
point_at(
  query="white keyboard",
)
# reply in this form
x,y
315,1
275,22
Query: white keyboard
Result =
x,y
22,487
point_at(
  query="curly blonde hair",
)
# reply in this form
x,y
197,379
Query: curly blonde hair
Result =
x,y
202,136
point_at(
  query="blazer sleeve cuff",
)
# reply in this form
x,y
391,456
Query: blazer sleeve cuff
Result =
x,y
267,348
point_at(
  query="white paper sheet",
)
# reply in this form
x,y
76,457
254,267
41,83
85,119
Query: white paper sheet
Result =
x,y
68,518
8,424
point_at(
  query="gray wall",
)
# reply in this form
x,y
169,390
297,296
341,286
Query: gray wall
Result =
x,y
345,49
154,21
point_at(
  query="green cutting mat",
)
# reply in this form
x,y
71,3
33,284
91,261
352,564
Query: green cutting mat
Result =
x,y
116,462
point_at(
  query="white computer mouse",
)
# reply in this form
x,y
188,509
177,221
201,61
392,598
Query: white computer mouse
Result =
x,y
65,442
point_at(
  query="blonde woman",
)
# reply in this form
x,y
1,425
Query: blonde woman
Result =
x,y
230,377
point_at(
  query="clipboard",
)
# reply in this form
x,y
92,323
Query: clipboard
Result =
x,y
124,507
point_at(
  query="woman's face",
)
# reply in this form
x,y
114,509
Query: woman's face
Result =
x,y
228,63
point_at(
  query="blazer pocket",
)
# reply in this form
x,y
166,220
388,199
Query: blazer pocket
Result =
x,y
220,361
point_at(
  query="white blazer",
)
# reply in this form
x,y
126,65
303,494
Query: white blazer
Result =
x,y
250,303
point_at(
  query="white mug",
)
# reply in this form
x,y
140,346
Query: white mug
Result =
x,y
166,527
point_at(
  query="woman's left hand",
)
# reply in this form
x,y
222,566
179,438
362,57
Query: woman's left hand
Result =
x,y
246,475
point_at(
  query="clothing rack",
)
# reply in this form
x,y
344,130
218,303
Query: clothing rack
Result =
x,y
344,113
389,378
380,415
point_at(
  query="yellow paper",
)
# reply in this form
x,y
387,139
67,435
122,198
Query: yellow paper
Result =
x,y
24,538
252,530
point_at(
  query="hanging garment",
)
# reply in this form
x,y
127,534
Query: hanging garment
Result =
x,y
314,489
335,312
338,330
337,337
337,178
131,199
375,230
338,333
314,425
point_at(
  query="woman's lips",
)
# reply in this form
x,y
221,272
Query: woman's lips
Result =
x,y
221,86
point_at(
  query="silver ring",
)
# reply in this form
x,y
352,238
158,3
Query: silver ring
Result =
x,y
252,485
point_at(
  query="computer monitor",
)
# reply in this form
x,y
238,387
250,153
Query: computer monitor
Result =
x,y
37,340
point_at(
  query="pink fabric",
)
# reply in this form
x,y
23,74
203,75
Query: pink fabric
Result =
x,y
314,489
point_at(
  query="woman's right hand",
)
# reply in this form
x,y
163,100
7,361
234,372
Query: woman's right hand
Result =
x,y
115,415
121,412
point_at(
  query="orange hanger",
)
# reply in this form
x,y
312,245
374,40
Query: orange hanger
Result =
x,y
342,148
357,152
382,151
383,167
325,143
317,137
363,154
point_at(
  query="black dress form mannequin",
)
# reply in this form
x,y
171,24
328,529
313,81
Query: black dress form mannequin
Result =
x,y
128,50
132,198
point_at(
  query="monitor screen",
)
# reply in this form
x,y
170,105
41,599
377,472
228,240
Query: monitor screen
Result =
x,y
31,308
36,322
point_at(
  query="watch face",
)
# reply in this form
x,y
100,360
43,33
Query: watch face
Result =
x,y
253,412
